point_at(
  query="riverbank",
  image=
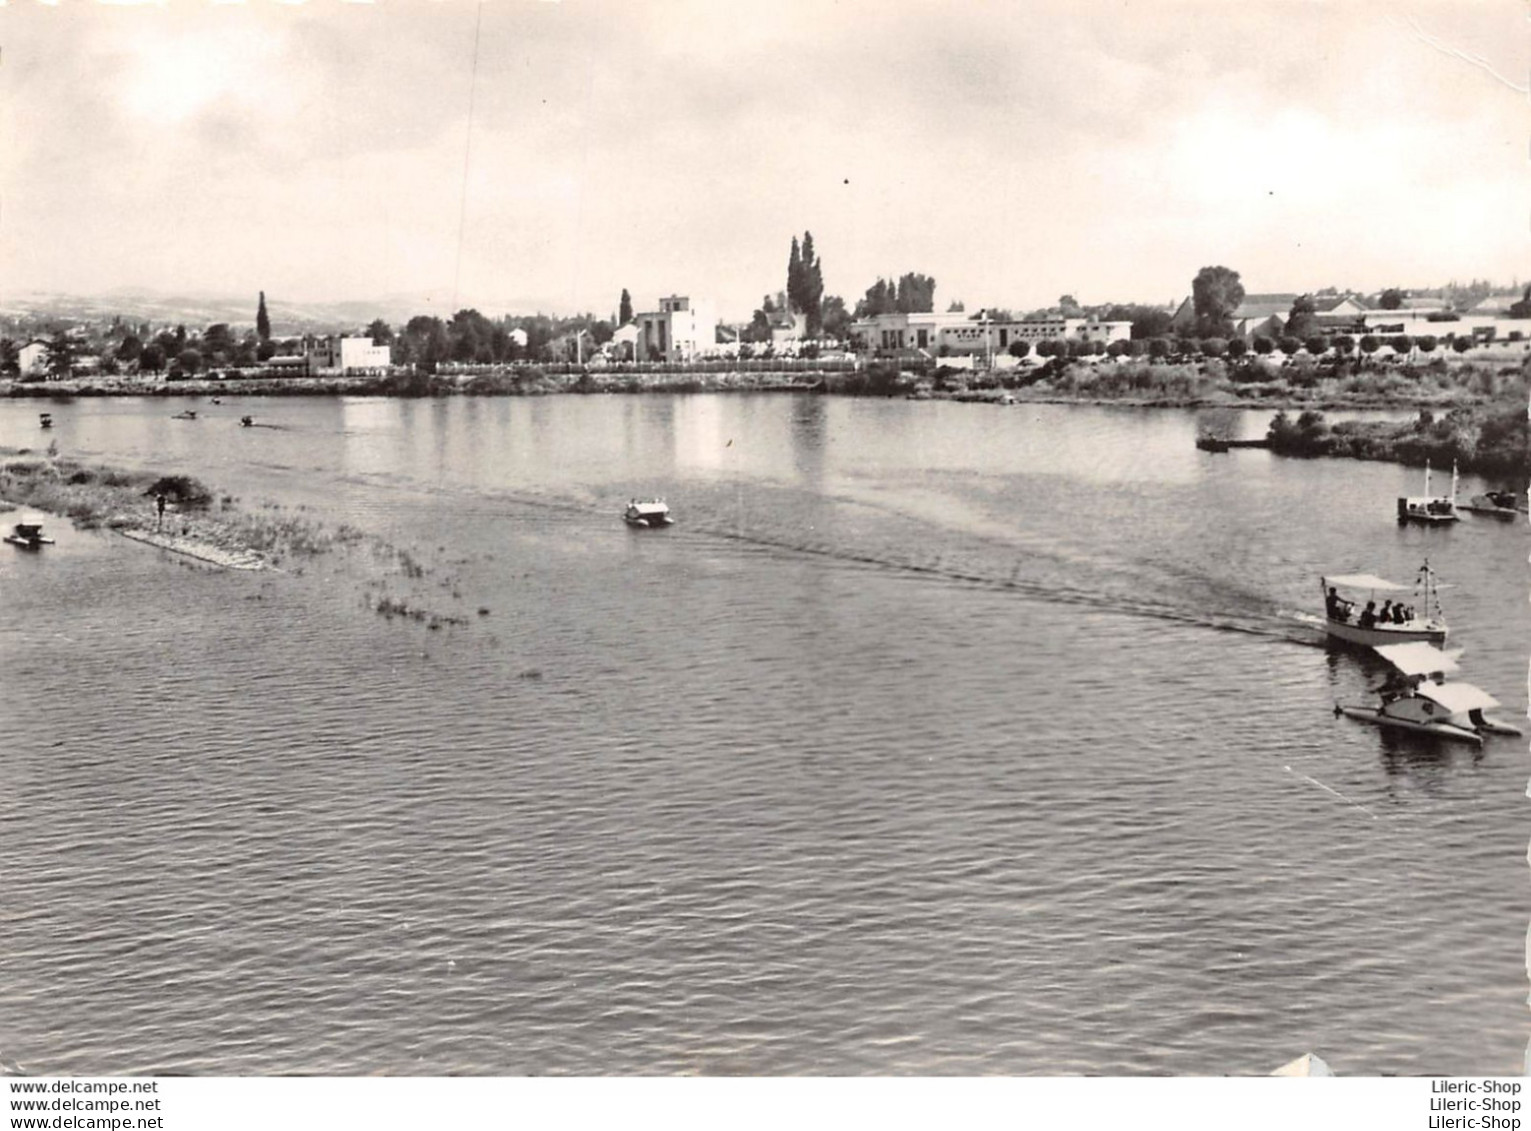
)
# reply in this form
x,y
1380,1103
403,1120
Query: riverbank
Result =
x,y
1442,383
1491,441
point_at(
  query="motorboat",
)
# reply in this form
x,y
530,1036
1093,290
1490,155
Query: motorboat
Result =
x,y
1347,619
1431,509
1500,504
28,535
246,421
1421,699
647,512
187,414
1211,444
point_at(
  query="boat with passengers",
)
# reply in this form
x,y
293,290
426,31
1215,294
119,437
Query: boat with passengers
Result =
x,y
1347,618
1419,697
28,535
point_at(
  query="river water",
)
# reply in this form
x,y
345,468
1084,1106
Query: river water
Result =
x,y
934,738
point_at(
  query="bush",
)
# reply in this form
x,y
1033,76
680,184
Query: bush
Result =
x,y
1158,348
1370,343
182,490
1426,343
1238,347
1344,343
1214,347
1317,344
1401,343
1462,345
1020,347
1290,345
1264,345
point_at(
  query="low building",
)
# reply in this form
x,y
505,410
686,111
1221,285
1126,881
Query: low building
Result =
x,y
958,334
624,342
1268,314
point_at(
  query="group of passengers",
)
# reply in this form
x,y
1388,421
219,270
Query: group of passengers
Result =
x,y
1391,612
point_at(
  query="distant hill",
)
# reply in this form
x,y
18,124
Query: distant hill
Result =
x,y
199,311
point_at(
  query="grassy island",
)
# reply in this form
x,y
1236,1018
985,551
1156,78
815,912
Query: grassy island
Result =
x,y
199,523
195,522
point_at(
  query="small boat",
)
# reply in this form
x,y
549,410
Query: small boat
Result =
x,y
1369,626
187,414
1211,444
1424,702
247,420
28,535
1431,509
45,419
1500,504
647,512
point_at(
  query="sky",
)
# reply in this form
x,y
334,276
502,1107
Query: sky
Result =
x,y
521,155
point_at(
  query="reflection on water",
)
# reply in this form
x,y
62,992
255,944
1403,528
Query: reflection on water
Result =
x,y
934,737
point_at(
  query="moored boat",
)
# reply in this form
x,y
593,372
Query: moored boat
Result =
x,y
1394,622
188,414
1499,504
1430,509
28,535
45,419
647,513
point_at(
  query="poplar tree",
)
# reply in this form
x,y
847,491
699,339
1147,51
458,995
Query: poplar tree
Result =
x,y
625,309
811,287
262,320
795,279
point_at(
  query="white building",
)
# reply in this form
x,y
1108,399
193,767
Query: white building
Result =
x,y
678,331
32,358
960,334
360,354
331,353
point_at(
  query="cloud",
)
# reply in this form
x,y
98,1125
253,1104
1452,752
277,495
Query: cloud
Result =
x,y
1014,151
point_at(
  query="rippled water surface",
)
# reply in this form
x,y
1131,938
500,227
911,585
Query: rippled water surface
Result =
x,y
934,738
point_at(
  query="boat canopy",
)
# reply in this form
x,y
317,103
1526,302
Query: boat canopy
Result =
x,y
1418,658
1458,697
1364,581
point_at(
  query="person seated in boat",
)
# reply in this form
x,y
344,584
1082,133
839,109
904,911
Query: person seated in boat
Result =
x,y
1368,615
1402,615
1336,606
1386,615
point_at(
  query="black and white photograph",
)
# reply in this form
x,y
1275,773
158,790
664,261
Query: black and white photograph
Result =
x,y
576,538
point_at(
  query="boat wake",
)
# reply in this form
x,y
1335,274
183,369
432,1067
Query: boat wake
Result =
x,y
854,535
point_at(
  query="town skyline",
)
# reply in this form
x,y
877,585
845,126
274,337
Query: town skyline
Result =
x,y
675,149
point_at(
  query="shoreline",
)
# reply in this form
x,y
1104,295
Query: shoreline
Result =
x,y
1262,396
